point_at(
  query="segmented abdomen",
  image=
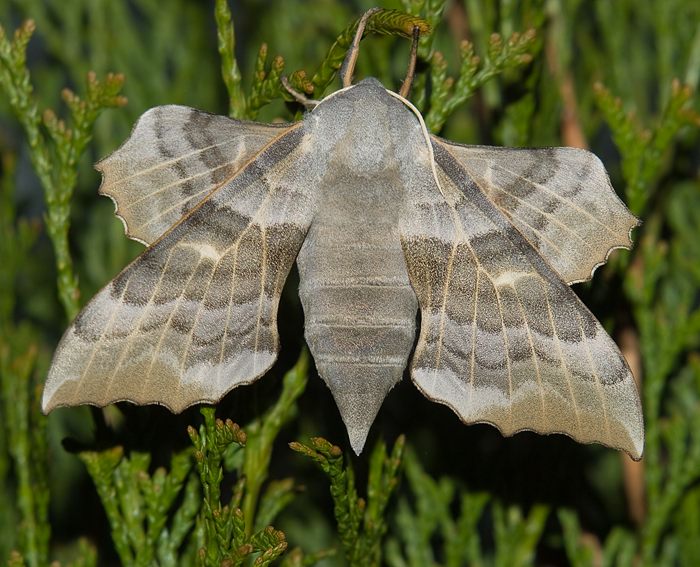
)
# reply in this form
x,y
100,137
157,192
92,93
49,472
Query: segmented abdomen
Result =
x,y
359,310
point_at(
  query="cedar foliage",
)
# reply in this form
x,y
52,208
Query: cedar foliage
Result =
x,y
138,486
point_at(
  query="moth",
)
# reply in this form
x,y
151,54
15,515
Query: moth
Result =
x,y
383,219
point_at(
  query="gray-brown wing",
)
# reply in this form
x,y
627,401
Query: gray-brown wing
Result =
x,y
560,199
195,314
503,339
173,159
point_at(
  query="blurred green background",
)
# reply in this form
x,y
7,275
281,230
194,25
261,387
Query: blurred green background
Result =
x,y
618,77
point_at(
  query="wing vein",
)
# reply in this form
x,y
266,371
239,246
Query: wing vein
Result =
x,y
137,326
551,218
261,296
235,249
166,326
473,351
164,212
601,395
443,310
538,374
107,327
164,164
567,373
506,344
235,244
200,307
548,191
180,181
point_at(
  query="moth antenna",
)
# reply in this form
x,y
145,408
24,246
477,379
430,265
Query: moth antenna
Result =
x,y
348,66
299,97
411,71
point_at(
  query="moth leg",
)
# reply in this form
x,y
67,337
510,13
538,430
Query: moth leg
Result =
x,y
348,66
411,71
301,98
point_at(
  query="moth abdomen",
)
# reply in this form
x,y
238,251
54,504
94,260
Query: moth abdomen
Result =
x,y
360,336
358,340
359,306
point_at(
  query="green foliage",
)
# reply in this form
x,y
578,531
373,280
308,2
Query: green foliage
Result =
x,y
267,86
642,151
361,523
262,433
178,517
137,504
618,76
431,519
619,547
386,22
26,445
663,297
55,151
226,537
22,428
448,93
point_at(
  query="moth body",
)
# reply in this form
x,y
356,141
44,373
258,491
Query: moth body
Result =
x,y
359,306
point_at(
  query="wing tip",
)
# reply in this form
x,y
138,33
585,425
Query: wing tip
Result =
x,y
105,189
117,213
636,450
626,246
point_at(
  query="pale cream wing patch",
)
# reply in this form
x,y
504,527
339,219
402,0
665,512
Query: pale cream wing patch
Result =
x,y
195,314
503,339
560,199
173,159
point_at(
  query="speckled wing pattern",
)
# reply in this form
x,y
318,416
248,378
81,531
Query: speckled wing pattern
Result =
x,y
503,339
195,314
173,159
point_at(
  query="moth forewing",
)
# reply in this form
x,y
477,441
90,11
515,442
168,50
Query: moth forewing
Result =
x,y
195,314
503,339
